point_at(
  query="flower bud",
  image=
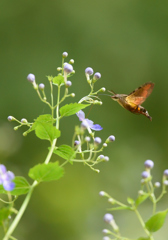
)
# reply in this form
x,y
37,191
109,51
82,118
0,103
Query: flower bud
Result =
x,y
68,68
71,61
96,76
111,138
72,95
31,77
103,89
104,144
68,84
10,118
108,217
65,54
165,182
87,139
157,184
23,120
166,173
59,69
149,164
89,71
97,140
41,86
76,143
145,174
101,193
106,158
106,238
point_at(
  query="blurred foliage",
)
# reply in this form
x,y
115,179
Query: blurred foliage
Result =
x,y
127,42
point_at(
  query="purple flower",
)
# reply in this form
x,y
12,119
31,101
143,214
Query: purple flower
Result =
x,y
166,173
108,217
86,123
149,164
65,54
68,68
145,174
6,178
41,86
31,77
68,84
97,140
97,76
89,71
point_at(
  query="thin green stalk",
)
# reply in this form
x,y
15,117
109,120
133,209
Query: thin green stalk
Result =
x,y
142,223
35,183
52,101
27,199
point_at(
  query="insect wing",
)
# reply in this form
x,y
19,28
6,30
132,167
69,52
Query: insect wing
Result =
x,y
139,95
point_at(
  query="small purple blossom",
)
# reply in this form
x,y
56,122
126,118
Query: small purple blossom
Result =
x,y
97,140
6,178
88,123
105,231
111,138
68,68
41,86
149,164
106,238
23,120
89,71
10,118
165,182
157,184
87,139
68,83
106,158
31,77
97,76
76,143
108,217
145,174
65,54
166,173
102,193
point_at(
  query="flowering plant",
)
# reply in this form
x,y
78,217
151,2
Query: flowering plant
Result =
x,y
147,191
85,146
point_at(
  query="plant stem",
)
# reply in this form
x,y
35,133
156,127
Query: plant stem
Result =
x,y
35,183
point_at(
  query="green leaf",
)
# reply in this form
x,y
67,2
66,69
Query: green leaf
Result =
x,y
46,172
4,213
46,131
72,108
45,118
44,128
156,221
141,199
21,186
65,152
58,80
130,201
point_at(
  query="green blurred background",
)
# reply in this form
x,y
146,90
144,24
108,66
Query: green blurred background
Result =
x,y
127,42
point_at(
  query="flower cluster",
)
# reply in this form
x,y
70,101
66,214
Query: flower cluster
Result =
x,y
6,178
92,148
147,190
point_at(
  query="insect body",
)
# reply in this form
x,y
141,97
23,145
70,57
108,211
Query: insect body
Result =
x,y
133,101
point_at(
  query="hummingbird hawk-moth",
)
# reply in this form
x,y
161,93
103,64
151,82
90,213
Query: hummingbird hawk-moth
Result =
x,y
132,102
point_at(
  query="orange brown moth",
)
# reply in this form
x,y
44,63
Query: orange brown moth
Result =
x,y
133,101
